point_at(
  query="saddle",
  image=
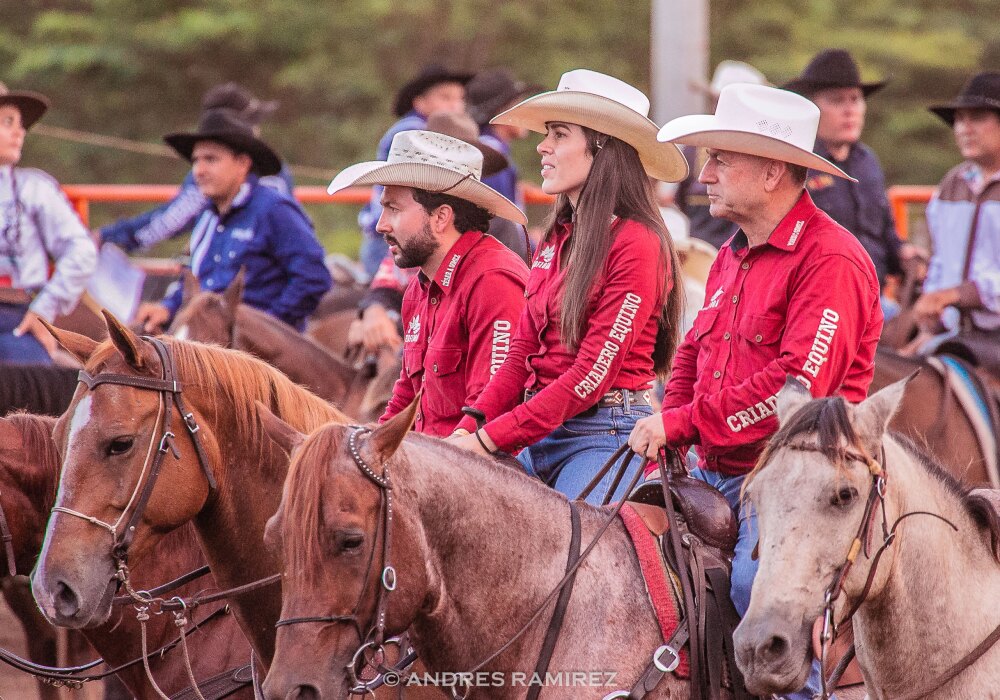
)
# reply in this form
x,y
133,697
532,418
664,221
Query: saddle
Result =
x,y
698,532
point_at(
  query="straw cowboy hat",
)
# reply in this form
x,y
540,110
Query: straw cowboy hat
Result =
x,y
730,73
982,91
607,105
759,120
464,128
430,76
832,68
434,162
31,104
223,126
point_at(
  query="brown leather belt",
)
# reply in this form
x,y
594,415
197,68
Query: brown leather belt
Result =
x,y
614,398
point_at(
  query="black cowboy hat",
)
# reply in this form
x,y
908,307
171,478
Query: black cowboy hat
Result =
x,y
430,76
982,91
832,68
223,126
490,91
237,98
31,104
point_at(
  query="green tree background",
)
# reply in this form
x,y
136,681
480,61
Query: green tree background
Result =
x,y
137,68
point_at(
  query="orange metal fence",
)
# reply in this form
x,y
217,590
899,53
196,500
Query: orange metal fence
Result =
x,y
900,198
81,196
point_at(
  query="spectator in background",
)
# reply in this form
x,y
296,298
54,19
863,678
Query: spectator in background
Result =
x,y
691,196
435,89
179,214
246,225
832,81
37,224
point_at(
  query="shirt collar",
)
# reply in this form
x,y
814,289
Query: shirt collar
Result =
x,y
977,182
787,234
242,195
445,277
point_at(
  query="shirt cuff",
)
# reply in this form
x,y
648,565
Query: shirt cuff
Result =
x,y
678,427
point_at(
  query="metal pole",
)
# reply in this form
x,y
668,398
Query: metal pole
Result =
x,y
679,56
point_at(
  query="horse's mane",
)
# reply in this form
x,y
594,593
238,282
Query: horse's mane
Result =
x,y
39,453
231,378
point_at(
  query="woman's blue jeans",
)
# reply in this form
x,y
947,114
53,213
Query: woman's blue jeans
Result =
x,y
572,454
23,350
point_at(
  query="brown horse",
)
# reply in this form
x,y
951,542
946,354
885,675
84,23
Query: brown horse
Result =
x,y
931,416
29,474
475,547
210,317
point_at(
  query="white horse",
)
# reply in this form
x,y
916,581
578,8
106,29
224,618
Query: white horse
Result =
x,y
925,627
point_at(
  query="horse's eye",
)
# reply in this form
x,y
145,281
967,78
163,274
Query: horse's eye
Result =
x,y
844,496
349,542
120,445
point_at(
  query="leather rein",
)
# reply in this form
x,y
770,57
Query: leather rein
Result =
x,y
863,540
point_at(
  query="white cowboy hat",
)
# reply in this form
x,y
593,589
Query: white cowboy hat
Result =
x,y
759,120
433,162
605,104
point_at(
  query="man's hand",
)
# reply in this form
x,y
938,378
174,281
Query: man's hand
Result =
x,y
648,436
31,324
929,306
153,317
378,330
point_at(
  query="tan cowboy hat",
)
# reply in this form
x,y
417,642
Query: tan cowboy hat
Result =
x,y
605,104
434,162
32,105
758,120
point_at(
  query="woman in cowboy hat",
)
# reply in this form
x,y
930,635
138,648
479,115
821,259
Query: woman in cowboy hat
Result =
x,y
603,299
37,224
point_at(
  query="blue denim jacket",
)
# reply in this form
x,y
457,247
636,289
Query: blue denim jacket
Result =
x,y
269,235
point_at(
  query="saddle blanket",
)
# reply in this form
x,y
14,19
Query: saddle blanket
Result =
x,y
662,585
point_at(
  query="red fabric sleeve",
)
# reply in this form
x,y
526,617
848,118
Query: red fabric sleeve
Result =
x,y
831,289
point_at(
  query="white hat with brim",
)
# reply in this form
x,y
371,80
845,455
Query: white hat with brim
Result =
x,y
434,162
604,104
758,120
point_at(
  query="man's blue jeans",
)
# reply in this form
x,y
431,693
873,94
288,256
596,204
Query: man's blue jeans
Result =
x,y
22,350
572,454
744,566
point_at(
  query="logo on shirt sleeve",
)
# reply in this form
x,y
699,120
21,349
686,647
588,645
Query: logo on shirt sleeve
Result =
x,y
413,330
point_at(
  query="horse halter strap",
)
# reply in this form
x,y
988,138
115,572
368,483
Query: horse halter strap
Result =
x,y
169,389
375,638
8,543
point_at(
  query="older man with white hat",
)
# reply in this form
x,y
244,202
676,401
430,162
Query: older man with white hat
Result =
x,y
793,293
460,308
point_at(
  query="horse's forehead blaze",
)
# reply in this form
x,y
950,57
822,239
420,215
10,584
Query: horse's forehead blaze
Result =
x,y
82,415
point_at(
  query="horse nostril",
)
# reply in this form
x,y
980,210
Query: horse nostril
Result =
x,y
66,601
775,648
304,692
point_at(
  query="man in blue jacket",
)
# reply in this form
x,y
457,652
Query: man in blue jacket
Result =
x,y
245,225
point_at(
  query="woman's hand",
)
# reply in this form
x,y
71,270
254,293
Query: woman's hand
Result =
x,y
648,436
470,442
31,323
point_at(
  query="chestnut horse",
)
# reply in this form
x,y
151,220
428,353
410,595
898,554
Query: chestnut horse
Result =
x,y
105,437
211,317
476,546
29,473
853,515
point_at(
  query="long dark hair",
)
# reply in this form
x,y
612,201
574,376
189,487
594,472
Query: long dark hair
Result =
x,y
617,185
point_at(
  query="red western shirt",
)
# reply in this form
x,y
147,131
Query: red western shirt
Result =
x,y
457,330
805,303
616,351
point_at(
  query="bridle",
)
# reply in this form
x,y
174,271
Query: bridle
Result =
x,y
169,389
373,643
8,543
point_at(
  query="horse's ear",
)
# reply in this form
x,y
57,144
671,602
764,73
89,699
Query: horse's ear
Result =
x,y
234,292
191,286
79,346
791,398
287,437
10,437
386,438
872,416
126,341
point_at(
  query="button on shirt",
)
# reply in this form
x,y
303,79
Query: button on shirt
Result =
x,y
616,352
806,304
861,207
457,330
268,234
36,224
